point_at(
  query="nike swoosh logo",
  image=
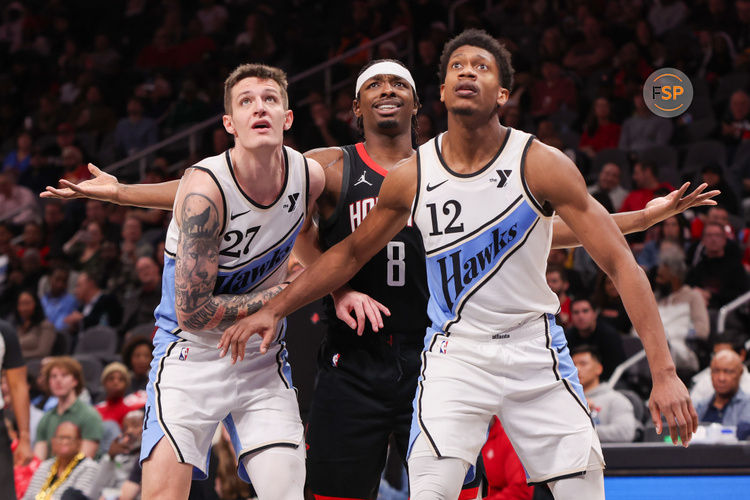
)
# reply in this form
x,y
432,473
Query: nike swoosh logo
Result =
x,y
430,188
560,349
234,216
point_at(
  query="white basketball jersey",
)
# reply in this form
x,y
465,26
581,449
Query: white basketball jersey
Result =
x,y
255,243
486,241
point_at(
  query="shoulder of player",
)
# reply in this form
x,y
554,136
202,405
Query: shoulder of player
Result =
x,y
198,188
400,185
546,169
326,157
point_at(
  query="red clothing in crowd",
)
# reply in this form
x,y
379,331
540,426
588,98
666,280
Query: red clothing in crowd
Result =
x,y
116,409
506,477
607,136
638,198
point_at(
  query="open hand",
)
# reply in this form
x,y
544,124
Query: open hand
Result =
x,y
675,202
670,398
102,187
236,336
348,301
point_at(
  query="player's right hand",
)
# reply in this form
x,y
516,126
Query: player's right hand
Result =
x,y
235,337
363,306
102,187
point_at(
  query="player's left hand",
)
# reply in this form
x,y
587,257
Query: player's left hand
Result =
x,y
676,202
235,337
670,398
363,306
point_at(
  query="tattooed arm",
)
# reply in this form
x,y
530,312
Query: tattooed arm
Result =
x,y
199,215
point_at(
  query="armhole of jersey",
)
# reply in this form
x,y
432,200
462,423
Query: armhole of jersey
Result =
x,y
345,177
546,211
307,185
419,187
223,197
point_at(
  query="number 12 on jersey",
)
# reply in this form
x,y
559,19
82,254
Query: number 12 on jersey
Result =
x,y
396,272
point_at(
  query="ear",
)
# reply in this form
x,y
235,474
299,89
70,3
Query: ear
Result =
x,y
356,109
288,119
502,96
228,126
442,92
599,368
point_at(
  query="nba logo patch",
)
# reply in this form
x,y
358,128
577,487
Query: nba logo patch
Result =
x,y
444,346
184,353
335,359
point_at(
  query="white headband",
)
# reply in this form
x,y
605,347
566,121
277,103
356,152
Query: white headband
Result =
x,y
384,68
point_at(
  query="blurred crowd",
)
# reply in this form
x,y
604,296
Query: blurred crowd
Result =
x,y
79,280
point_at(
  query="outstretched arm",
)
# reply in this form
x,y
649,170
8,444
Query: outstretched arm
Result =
x,y
106,187
656,211
338,264
553,178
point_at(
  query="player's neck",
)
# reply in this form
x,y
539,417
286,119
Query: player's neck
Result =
x,y
467,148
260,172
386,150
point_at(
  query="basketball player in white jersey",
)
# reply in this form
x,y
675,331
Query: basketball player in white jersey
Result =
x,y
236,217
483,196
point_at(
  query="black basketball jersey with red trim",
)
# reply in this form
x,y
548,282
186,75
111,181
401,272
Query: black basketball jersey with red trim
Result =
x,y
396,276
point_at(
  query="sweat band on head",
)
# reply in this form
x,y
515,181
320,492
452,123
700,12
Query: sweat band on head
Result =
x,y
384,68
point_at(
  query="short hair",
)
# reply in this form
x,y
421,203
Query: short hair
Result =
x,y
648,165
67,364
732,337
79,435
587,348
673,258
710,223
554,268
261,71
483,40
581,299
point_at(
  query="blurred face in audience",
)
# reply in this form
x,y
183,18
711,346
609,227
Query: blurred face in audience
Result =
x,y
726,371
582,315
714,240
589,369
25,306
132,426
115,384
609,177
58,282
670,229
66,443
94,234
556,282
718,215
53,214
131,230
148,272
61,382
140,360
739,105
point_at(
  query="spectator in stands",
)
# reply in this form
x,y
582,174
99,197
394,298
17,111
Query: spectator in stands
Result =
x,y
94,307
141,301
19,159
17,200
665,15
591,53
553,91
14,369
608,304
681,307
719,275
608,184
70,470
137,356
64,377
23,275
39,174
135,131
702,388
116,466
728,405
586,329
57,302
94,115
56,228
132,245
506,478
644,129
599,131
256,42
646,179
213,17
116,382
33,240
741,31
735,124
713,175
74,169
84,248
611,412
326,131
35,333
671,230
189,109
160,54
557,280
104,60
65,137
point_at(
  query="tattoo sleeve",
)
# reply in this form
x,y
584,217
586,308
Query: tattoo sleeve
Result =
x,y
196,268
